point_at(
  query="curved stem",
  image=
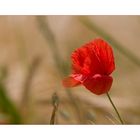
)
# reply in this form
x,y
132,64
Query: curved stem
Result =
x,y
115,109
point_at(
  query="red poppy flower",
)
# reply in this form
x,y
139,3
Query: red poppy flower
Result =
x,y
92,65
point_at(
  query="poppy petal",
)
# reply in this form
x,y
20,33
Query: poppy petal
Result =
x,y
73,80
85,61
98,84
105,55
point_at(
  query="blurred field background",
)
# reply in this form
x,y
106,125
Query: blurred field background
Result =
x,y
35,57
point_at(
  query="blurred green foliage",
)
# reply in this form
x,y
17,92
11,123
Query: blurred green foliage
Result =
x,y
6,104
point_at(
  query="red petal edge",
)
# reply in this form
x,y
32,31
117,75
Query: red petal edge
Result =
x,y
73,80
70,82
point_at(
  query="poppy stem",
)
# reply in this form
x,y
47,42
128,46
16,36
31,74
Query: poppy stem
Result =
x,y
115,108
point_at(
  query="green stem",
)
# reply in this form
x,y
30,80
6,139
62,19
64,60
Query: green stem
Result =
x,y
115,109
52,121
55,102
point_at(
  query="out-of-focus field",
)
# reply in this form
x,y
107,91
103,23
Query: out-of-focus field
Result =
x,y
35,57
